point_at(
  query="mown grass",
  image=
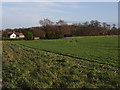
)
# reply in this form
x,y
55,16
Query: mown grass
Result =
x,y
25,67
99,49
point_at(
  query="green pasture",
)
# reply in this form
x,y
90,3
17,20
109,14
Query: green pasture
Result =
x,y
100,49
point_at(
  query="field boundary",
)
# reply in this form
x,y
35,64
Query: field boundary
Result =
x,y
67,55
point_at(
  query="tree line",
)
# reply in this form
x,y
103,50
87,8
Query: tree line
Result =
x,y
60,29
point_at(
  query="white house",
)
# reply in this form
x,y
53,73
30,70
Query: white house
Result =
x,y
16,35
13,35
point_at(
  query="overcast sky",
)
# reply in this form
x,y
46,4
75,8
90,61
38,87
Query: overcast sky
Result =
x,y
26,14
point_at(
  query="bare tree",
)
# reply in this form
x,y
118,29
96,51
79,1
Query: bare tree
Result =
x,y
61,22
46,22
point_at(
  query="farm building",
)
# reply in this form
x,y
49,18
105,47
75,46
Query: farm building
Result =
x,y
16,35
36,38
20,35
13,35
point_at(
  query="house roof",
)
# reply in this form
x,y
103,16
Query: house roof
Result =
x,y
20,33
16,33
10,32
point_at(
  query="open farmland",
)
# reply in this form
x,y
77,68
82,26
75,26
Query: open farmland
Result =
x,y
98,49
25,67
0,72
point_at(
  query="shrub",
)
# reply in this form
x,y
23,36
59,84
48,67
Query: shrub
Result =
x,y
29,36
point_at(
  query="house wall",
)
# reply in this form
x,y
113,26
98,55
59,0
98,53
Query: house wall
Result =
x,y
21,36
36,38
13,36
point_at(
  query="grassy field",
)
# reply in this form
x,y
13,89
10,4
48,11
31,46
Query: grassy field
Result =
x,y
25,67
0,64
99,49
